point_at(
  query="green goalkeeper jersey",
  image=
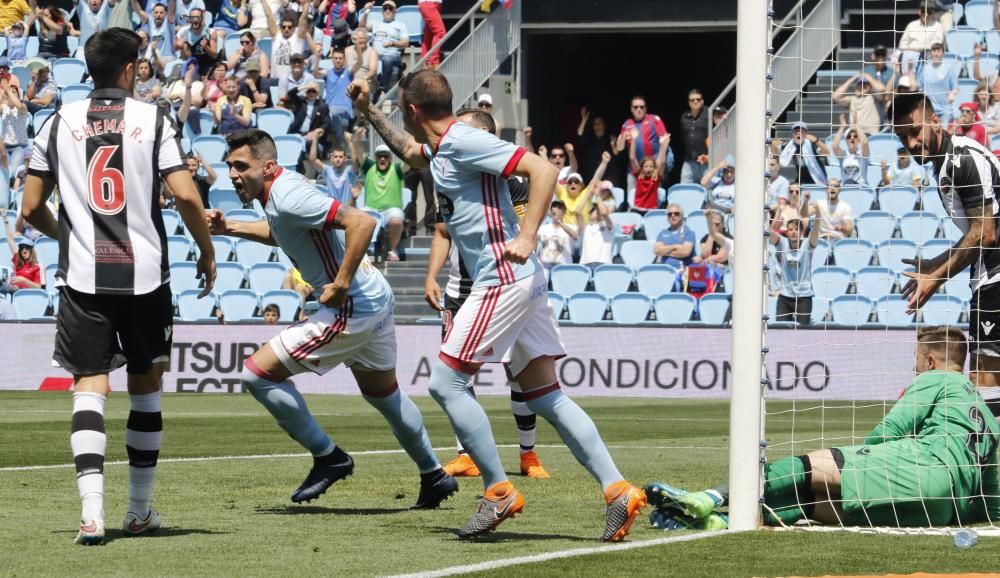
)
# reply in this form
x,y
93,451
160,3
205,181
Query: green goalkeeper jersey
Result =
x,y
943,411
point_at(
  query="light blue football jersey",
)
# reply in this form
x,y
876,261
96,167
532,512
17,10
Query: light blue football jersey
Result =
x,y
470,168
301,221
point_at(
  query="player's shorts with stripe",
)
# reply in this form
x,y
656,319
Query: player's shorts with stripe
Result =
x,y
511,323
330,337
984,321
99,333
897,483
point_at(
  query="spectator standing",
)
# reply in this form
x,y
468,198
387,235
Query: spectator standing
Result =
x,y
853,160
383,190
804,152
556,238
288,39
204,184
878,68
341,180
197,42
969,124
182,11
94,15
53,33
576,200
147,86
28,273
594,142
649,174
864,108
333,10
919,36
675,245
792,210
159,28
694,128
42,91
906,173
390,38
721,185
939,80
597,238
647,128
341,109
12,11
558,157
833,214
17,41
362,59
777,185
14,119
434,30
232,113
794,259
258,16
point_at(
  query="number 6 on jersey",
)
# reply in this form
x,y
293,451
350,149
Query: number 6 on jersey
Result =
x,y
106,185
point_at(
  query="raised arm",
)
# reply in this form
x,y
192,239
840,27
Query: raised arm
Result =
x,y
584,117
862,137
9,234
138,9
633,160
838,137
595,181
813,224
528,145
820,145
313,158
661,155
210,175
272,26
840,94
706,179
571,154
305,16
397,139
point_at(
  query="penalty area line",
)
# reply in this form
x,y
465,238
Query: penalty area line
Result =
x,y
559,554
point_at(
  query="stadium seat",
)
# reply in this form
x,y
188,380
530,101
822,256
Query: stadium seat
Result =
x,y
816,192
830,282
210,146
891,311
874,282
50,278
627,221
897,201
820,310
283,258
47,250
225,200
892,252
248,215
853,254
979,15
266,277
74,92
962,40
249,253
951,230
183,276
712,308
630,308
674,308
988,61
569,279
619,194
288,302
264,44
930,201
67,71
610,280
966,90
232,43
31,304
410,16
23,74
274,121
238,305
934,247
821,254
992,41
653,222
171,221
635,254
374,15
919,226
691,197
557,302
586,307
229,276
851,310
289,149
876,226
655,280
859,198
959,286
882,147
190,308
178,248
942,310
699,224
39,118
223,247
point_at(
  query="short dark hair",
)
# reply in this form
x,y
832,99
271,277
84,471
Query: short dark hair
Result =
x,y
480,117
248,34
429,91
339,49
903,106
557,204
108,52
338,149
260,143
287,19
272,307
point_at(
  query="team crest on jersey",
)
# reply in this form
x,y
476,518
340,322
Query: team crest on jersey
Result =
x,y
445,205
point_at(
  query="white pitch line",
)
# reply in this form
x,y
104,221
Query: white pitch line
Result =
x,y
575,552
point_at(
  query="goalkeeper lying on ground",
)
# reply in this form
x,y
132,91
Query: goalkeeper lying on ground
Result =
x,y
932,461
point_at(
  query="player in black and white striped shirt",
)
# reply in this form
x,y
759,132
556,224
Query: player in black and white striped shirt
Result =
x,y
968,179
107,154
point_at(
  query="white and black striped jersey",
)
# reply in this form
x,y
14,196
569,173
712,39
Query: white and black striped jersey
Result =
x,y
106,154
969,176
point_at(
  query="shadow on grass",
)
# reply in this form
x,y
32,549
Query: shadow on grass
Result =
x,y
111,535
499,537
306,510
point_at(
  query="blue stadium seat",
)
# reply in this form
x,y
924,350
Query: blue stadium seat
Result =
x,y
897,201
178,248
876,226
951,230
820,310
674,308
962,40
934,247
653,222
892,252
859,198
699,224
31,304
587,307
988,61
830,282
238,305
50,279
630,308
67,71
283,258
223,247
47,250
374,15
288,302
882,147
851,310
619,194
171,221
853,254
992,40
691,197
183,276
942,310
655,280
74,92
266,277
23,74
610,280
225,200
39,118
274,121
232,43
875,282
557,302
229,276
211,147
206,121
821,254
919,226
264,44
712,308
190,308
979,15
959,286
891,311
248,215
249,253
626,219
569,279
930,201
966,91
410,16
635,254
289,149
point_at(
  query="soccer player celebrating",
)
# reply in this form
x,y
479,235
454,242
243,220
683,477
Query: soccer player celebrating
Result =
x,y
931,461
456,292
354,327
107,153
967,177
507,314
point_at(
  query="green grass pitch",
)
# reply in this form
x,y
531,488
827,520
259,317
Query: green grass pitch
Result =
x,y
231,516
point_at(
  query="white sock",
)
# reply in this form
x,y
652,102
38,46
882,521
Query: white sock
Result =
x,y
89,442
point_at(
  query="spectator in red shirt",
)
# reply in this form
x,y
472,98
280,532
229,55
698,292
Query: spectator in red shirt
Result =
x,y
969,123
650,171
648,127
28,273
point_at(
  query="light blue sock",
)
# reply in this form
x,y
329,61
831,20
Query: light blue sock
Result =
x,y
577,431
450,389
287,406
408,427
